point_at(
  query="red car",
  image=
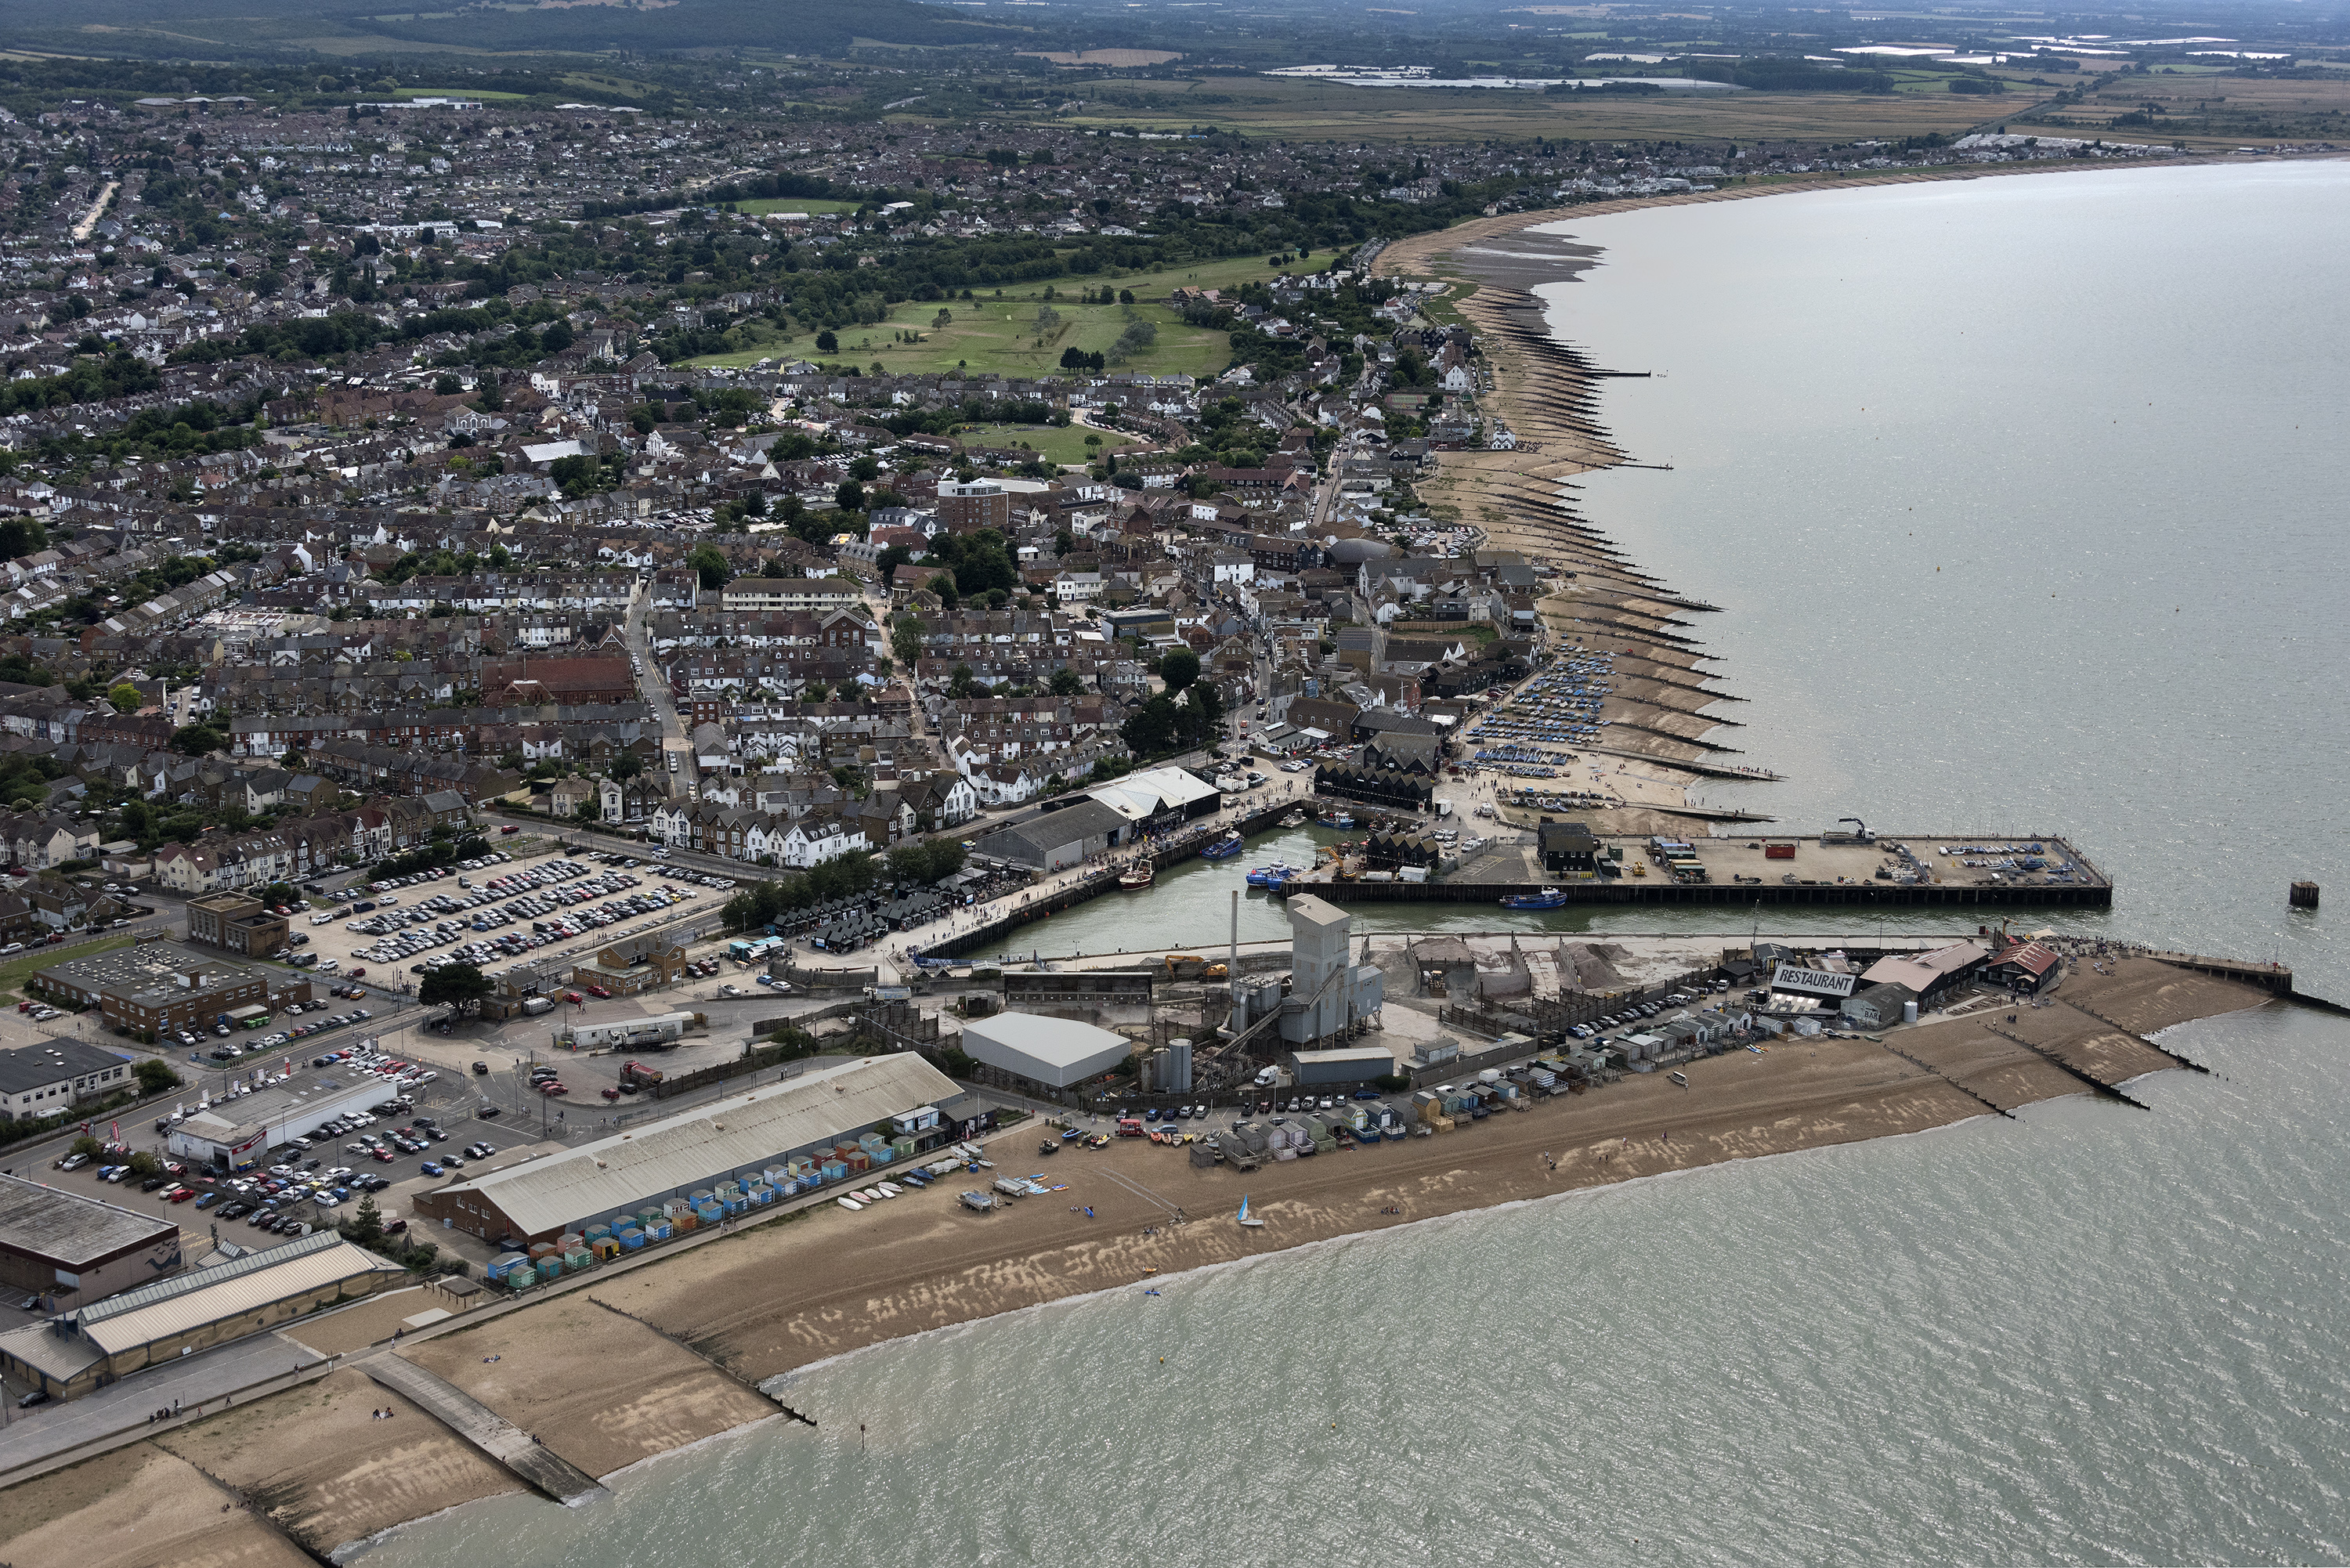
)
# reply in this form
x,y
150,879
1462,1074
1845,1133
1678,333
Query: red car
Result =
x,y
598,991
357,972
611,1094
568,996
552,1087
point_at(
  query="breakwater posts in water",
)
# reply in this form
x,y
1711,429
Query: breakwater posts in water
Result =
x,y
719,1367
2125,1029
1863,895
2108,1090
1925,1067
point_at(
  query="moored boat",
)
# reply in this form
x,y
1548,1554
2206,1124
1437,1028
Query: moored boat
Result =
x,y
1138,875
1548,899
1223,849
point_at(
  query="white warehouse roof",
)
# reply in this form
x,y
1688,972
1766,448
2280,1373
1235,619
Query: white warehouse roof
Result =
x,y
1056,1051
1151,791
737,1133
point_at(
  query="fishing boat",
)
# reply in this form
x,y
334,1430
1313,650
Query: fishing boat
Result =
x,y
1138,875
1336,819
1270,875
1223,849
1548,899
1246,1221
1294,819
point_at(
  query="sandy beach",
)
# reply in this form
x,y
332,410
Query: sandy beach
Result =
x,y
646,1362
780,1296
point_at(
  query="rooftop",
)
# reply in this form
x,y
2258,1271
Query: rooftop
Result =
x,y
38,1066
68,1229
739,1132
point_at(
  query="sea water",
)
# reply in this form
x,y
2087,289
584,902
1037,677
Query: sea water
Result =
x,y
2094,1334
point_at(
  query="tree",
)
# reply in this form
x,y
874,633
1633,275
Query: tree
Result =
x,y
814,692
1066,683
365,1228
961,684
826,343
1179,668
125,697
850,495
460,986
626,767
711,565
197,741
906,640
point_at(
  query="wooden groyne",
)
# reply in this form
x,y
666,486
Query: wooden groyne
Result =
x,y
2109,1091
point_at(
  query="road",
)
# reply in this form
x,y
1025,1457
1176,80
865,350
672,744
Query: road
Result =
x,y
675,742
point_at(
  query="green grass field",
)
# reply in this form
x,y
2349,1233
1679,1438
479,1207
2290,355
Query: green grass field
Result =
x,y
1053,444
1001,336
795,205
23,966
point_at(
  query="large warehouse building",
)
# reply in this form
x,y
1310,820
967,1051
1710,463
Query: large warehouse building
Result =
x,y
739,1135
94,1345
68,1249
1054,1052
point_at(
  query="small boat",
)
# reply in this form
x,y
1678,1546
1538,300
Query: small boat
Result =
x,y
1548,899
1138,876
1294,819
1336,819
850,1203
1223,849
890,1189
1245,1219
1270,875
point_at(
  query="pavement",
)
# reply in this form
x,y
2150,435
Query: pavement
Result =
x,y
48,1430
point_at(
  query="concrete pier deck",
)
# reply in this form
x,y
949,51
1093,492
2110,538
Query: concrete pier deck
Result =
x,y
484,1427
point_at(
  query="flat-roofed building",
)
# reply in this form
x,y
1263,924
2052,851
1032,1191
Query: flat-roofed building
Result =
x,y
69,1248
815,595
235,922
94,1345
739,1135
1054,1052
237,1133
153,986
42,1080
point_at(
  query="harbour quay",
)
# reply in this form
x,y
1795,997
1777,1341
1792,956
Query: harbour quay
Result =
x,y
1565,865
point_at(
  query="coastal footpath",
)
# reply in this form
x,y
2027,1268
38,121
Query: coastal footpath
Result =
x,y
659,1357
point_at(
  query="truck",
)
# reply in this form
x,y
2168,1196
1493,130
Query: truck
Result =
x,y
889,992
636,1075
535,1005
1129,1127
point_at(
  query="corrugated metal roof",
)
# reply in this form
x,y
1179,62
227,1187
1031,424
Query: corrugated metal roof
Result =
x,y
695,1147
214,1294
180,1285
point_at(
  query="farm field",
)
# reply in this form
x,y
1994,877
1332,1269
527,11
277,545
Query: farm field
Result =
x,y
1315,111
